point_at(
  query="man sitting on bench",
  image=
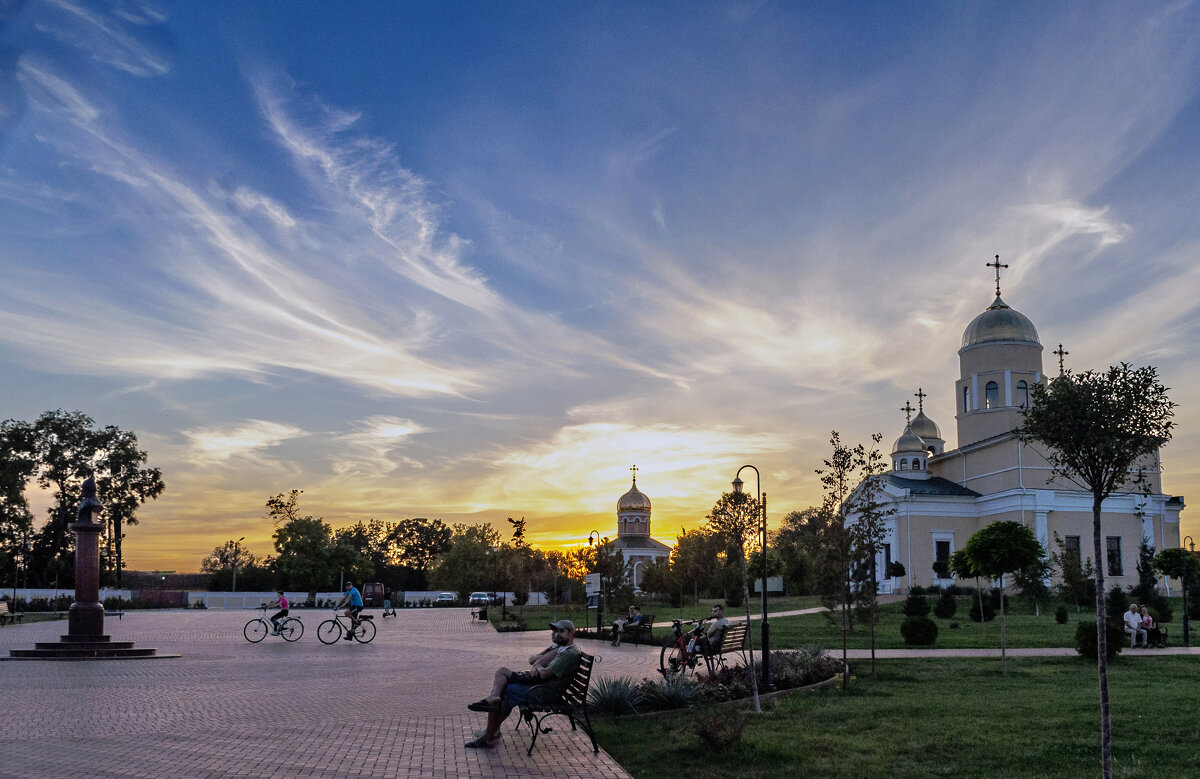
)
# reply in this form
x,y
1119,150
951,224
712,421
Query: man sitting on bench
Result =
x,y
634,618
552,668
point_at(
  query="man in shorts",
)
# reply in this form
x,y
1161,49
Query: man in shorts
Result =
x,y
511,688
353,603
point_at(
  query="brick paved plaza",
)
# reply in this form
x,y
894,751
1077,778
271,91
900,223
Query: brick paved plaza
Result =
x,y
392,708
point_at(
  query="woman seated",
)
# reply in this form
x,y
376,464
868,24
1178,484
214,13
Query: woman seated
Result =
x,y
1153,632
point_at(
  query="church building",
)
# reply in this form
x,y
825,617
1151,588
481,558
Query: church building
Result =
x,y
633,539
941,497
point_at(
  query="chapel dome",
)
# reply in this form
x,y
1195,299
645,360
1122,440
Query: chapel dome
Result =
x,y
1000,323
925,427
633,500
908,443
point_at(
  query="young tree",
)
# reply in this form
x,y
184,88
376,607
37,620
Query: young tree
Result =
x,y
1103,430
1077,578
735,518
1000,548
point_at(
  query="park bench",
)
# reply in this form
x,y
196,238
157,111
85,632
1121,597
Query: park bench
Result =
x,y
732,642
7,615
640,633
572,704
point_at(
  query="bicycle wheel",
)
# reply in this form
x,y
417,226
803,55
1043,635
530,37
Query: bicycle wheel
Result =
x,y
671,660
329,631
255,631
365,632
292,630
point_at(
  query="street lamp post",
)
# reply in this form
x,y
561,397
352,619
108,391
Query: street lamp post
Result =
x,y
237,548
766,627
1191,548
600,597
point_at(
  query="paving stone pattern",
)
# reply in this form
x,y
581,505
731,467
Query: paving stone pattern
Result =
x,y
227,708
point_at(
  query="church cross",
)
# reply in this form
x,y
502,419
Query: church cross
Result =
x,y
1061,354
907,409
997,265
921,395
634,469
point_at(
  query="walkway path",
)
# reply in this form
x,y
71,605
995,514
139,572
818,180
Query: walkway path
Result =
x,y
392,708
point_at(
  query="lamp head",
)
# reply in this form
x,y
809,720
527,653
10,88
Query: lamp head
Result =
x,y
737,484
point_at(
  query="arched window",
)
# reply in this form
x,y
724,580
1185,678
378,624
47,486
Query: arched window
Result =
x,y
1022,394
904,465
991,395
966,400
916,464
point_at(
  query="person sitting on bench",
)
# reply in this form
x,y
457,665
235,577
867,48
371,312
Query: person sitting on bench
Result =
x,y
1133,626
552,668
1153,631
634,618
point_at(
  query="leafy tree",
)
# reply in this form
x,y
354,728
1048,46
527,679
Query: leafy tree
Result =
x,y
796,542
1031,580
1000,548
282,507
1103,431
1179,563
17,466
1077,579
419,543
467,563
963,567
124,483
694,561
254,573
736,517
303,561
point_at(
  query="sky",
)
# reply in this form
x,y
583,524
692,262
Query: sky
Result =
x,y
470,261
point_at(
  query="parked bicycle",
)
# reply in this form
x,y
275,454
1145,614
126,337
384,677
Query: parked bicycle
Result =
x,y
683,650
290,628
332,630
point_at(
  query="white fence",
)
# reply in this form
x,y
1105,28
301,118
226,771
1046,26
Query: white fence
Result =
x,y
245,600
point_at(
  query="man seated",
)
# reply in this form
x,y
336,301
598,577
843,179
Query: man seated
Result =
x,y
709,636
1133,626
552,668
634,618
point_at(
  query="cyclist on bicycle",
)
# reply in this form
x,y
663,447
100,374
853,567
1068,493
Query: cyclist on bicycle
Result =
x,y
280,603
353,603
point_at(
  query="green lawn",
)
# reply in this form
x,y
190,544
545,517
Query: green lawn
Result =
x,y
952,717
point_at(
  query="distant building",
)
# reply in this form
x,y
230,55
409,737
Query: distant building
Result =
x,y
633,539
943,497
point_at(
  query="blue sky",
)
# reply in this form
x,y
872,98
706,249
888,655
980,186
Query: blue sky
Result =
x,y
475,260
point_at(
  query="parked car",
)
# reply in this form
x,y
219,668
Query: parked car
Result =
x,y
446,598
478,599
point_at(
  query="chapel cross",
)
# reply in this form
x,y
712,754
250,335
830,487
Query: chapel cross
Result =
x,y
921,395
634,469
1061,352
997,265
907,409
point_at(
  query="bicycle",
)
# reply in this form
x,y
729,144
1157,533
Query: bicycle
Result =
x,y
682,650
332,630
290,628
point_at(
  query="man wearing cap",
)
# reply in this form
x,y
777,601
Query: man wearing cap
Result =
x,y
552,668
353,603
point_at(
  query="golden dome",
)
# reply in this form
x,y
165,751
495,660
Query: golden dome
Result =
x,y
925,427
633,500
999,323
909,443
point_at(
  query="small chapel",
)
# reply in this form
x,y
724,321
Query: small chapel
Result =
x,y
633,539
941,497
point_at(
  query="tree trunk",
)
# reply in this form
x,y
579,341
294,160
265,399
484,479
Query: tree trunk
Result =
x,y
1003,655
1102,646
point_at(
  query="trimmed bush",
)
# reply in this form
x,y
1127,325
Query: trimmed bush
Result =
x,y
989,611
916,604
1085,639
919,631
1060,614
946,605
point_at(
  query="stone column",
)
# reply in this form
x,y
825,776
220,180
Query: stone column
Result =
x,y
86,617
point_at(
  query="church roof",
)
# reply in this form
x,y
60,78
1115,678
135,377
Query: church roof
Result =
x,y
634,543
909,442
633,500
934,486
1000,323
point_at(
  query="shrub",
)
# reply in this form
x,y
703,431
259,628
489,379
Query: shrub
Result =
x,y
916,589
675,693
1085,639
989,611
733,598
919,631
916,604
1116,603
615,695
719,729
894,569
802,667
946,605
1060,614
1193,605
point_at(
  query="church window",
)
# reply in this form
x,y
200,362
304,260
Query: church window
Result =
x,y
916,464
941,558
1074,552
966,400
991,395
1114,556
904,465
1022,394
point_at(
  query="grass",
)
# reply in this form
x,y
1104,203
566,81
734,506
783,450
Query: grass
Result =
x,y
945,717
